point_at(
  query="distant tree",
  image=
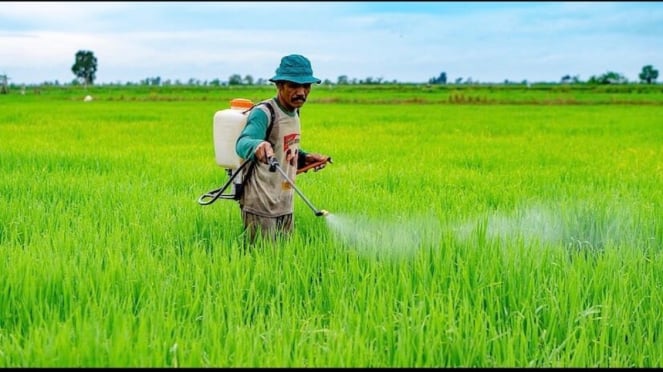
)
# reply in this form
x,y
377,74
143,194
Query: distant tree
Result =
x,y
3,84
442,79
612,77
342,80
85,66
458,80
151,81
609,77
370,80
235,79
570,79
648,74
248,80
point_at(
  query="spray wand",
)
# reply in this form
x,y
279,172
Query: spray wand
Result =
x,y
274,166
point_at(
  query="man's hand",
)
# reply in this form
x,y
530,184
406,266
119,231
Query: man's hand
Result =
x,y
264,151
315,161
316,158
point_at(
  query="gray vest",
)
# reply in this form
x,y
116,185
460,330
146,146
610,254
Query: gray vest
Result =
x,y
267,193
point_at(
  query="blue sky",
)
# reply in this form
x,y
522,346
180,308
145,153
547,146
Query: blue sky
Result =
x,y
403,41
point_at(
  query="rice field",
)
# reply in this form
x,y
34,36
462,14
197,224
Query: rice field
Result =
x,y
513,230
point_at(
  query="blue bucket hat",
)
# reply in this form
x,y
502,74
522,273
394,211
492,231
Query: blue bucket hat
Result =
x,y
295,68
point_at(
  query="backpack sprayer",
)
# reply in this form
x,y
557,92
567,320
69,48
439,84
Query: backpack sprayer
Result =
x,y
228,124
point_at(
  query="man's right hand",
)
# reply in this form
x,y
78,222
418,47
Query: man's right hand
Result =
x,y
264,151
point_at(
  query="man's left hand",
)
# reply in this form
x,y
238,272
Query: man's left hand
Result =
x,y
315,162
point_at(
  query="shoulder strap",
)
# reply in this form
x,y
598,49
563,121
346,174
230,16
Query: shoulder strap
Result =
x,y
272,116
272,119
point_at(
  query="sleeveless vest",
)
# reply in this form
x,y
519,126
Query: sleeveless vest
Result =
x,y
267,193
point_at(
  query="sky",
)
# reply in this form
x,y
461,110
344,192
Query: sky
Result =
x,y
401,41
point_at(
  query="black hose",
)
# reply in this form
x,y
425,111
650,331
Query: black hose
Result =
x,y
218,193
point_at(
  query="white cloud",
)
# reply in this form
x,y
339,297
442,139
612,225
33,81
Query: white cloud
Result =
x,y
206,40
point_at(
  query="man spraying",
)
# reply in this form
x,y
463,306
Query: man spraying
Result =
x,y
267,201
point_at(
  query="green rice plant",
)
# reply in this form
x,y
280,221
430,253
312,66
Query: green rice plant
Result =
x,y
460,235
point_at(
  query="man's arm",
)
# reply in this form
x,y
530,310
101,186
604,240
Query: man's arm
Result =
x,y
252,135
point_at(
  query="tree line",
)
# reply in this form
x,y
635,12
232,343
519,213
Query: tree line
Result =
x,y
85,70
647,75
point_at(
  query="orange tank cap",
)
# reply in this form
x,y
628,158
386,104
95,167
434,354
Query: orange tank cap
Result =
x,y
241,103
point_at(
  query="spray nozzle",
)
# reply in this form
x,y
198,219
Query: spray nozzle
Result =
x,y
322,212
273,163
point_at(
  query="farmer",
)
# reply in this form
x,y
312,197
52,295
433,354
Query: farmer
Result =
x,y
267,202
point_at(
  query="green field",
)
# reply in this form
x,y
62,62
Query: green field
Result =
x,y
468,227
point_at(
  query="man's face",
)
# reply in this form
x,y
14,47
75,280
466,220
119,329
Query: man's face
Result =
x,y
293,95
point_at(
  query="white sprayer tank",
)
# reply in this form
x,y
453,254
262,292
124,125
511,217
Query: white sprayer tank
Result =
x,y
228,124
